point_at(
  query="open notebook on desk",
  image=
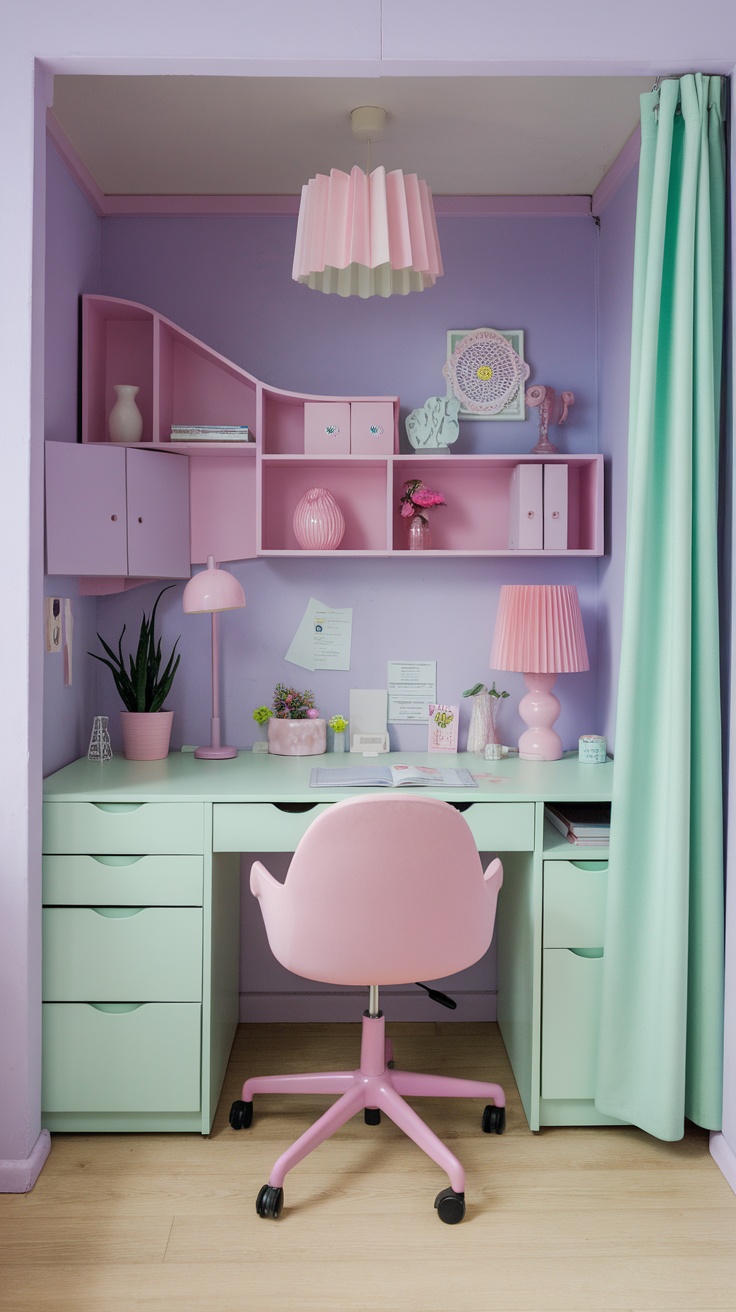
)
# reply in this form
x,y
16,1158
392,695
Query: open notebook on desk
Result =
x,y
391,776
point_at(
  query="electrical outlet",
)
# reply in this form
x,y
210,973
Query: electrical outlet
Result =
x,y
53,609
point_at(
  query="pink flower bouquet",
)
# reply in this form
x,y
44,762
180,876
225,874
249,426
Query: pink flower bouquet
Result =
x,y
418,498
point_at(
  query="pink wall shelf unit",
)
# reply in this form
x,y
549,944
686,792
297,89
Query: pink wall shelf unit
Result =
x,y
242,495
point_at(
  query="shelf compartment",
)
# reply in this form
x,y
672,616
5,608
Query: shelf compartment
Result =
x,y
283,420
358,485
198,386
117,347
476,516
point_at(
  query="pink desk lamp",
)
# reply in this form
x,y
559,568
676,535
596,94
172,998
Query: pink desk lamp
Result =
x,y
539,631
213,590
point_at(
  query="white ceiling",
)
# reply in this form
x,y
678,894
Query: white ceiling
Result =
x,y
267,136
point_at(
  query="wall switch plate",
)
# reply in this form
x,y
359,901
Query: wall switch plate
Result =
x,y
53,610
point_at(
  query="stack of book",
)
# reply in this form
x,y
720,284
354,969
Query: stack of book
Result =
x,y
585,824
209,433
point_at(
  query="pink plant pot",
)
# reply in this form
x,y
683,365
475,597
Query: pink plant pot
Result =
x,y
146,734
297,737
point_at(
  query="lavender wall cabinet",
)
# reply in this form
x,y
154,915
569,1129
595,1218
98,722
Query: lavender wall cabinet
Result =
x,y
116,512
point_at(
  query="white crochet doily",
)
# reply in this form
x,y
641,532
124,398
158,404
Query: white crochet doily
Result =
x,y
485,372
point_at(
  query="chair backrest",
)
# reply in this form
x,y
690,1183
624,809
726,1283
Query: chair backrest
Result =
x,y
381,890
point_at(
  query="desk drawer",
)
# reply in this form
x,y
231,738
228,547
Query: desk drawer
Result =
x,y
259,826
133,1059
122,954
571,991
501,826
158,881
574,904
110,827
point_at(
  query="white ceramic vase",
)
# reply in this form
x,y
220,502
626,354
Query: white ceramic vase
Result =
x,y
126,421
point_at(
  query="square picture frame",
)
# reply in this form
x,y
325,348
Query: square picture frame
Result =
x,y
516,408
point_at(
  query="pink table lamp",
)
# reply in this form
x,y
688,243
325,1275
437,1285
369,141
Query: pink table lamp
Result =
x,y
213,590
539,631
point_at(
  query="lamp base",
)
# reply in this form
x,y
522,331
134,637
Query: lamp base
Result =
x,y
539,710
215,753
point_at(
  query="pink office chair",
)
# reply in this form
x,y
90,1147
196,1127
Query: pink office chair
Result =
x,y
380,890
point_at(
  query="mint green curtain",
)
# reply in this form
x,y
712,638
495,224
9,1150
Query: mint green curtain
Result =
x,y
661,1037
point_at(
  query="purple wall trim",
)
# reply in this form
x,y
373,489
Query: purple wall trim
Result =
x,y
724,1157
459,207
619,171
75,165
18,1177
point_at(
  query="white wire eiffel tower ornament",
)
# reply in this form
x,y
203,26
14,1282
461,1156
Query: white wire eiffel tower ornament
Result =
x,y
99,743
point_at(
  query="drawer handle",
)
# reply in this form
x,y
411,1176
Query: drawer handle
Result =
x,y
115,860
118,808
116,1008
116,913
592,953
295,808
590,865
461,806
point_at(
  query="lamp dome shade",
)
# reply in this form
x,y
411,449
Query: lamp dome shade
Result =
x,y
212,589
367,235
539,628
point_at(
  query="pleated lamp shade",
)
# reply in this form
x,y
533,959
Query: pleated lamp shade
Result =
x,y
539,631
367,235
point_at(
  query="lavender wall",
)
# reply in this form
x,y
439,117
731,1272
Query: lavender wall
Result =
x,y
228,281
73,255
615,280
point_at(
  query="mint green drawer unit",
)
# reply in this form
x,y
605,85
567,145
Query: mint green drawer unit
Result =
x,y
571,984
122,954
111,827
574,904
501,826
126,1059
259,826
159,881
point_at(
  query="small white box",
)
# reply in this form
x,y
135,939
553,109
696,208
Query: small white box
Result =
x,y
327,428
525,509
555,507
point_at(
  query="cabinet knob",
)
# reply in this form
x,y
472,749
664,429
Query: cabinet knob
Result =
x,y
113,518
140,519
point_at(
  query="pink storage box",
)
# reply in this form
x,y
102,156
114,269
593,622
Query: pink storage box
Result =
x,y
372,428
327,428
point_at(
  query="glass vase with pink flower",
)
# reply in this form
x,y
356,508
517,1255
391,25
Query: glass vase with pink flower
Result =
x,y
414,504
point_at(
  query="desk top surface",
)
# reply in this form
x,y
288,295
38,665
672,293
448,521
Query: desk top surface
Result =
x,y
259,777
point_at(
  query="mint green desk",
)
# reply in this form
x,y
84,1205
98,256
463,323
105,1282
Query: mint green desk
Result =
x,y
141,892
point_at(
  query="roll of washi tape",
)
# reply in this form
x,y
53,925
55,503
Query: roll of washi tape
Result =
x,y
592,749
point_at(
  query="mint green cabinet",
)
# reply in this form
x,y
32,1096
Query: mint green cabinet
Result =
x,y
123,966
573,944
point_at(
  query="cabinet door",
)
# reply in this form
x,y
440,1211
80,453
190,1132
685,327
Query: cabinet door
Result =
x,y
158,514
86,529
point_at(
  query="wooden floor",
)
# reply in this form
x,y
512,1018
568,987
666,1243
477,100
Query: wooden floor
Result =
x,y
565,1220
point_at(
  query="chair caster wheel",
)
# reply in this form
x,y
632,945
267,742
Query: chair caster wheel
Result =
x,y
494,1120
270,1202
372,1115
450,1206
241,1114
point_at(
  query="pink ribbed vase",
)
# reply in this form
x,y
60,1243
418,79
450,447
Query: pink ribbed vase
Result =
x,y
318,521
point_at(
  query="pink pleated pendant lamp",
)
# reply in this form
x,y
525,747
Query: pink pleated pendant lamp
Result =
x,y
539,631
367,233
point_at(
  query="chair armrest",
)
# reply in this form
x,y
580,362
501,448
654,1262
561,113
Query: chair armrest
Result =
x,y
494,875
262,882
